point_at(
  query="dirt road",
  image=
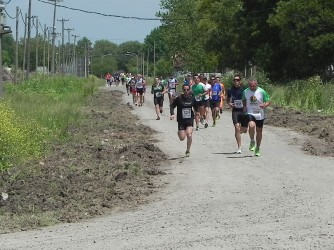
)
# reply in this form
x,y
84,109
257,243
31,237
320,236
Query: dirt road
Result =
x,y
214,199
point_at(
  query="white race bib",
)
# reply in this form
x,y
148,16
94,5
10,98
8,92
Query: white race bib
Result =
x,y
257,114
238,104
214,93
186,113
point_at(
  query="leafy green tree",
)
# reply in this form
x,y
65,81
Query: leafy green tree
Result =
x,y
104,58
8,50
128,54
184,42
306,35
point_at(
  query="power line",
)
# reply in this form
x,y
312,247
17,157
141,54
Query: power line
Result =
x,y
9,15
107,15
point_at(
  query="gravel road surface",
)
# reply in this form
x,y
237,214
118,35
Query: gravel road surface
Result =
x,y
214,199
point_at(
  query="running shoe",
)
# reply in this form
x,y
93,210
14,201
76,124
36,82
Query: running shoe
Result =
x,y
206,125
239,151
214,124
252,146
197,128
221,111
202,121
187,153
218,117
160,111
257,152
158,118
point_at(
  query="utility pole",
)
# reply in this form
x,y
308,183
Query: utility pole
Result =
x,y
17,44
74,56
154,60
25,45
62,44
148,57
28,41
44,47
3,30
69,48
54,35
36,43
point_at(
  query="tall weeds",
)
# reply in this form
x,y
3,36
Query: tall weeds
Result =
x,y
307,95
37,112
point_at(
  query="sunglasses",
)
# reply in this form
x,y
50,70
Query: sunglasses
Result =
x,y
236,79
186,89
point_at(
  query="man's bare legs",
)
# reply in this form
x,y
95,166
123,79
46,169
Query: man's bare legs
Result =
x,y
187,133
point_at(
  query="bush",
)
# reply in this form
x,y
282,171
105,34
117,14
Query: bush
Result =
x,y
19,138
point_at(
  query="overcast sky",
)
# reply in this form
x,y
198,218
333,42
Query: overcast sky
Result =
x,y
93,26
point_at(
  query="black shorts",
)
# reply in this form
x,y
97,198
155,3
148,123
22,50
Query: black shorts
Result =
x,y
140,91
244,119
158,101
214,104
240,117
185,124
259,123
206,103
197,105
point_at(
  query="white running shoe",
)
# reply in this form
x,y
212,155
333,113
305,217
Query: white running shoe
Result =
x,y
239,151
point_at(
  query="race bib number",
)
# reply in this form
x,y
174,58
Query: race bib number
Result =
x,y
238,103
257,114
158,94
186,113
214,93
198,98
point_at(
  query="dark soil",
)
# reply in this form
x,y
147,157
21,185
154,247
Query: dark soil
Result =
x,y
110,163
318,127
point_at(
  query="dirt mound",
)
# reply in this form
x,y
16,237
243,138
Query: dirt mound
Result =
x,y
109,164
319,127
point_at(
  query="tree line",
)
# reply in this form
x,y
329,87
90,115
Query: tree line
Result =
x,y
285,39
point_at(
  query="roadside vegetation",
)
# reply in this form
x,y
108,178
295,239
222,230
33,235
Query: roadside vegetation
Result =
x,y
37,113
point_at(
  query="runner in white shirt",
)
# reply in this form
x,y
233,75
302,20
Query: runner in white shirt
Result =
x,y
255,100
172,84
140,86
207,110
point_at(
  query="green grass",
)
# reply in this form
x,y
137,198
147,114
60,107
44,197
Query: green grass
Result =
x,y
307,95
37,112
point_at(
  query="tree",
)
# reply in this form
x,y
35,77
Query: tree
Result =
x,y
104,58
306,35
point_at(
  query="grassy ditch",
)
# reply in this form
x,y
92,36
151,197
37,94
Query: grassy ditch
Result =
x,y
93,156
37,112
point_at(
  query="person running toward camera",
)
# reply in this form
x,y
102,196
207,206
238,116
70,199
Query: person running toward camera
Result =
x,y
239,118
215,97
188,80
172,84
185,116
127,84
255,101
223,97
132,88
108,79
140,85
207,89
158,91
198,91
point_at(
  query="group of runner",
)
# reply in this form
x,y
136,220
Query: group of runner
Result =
x,y
200,95
202,99
116,79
